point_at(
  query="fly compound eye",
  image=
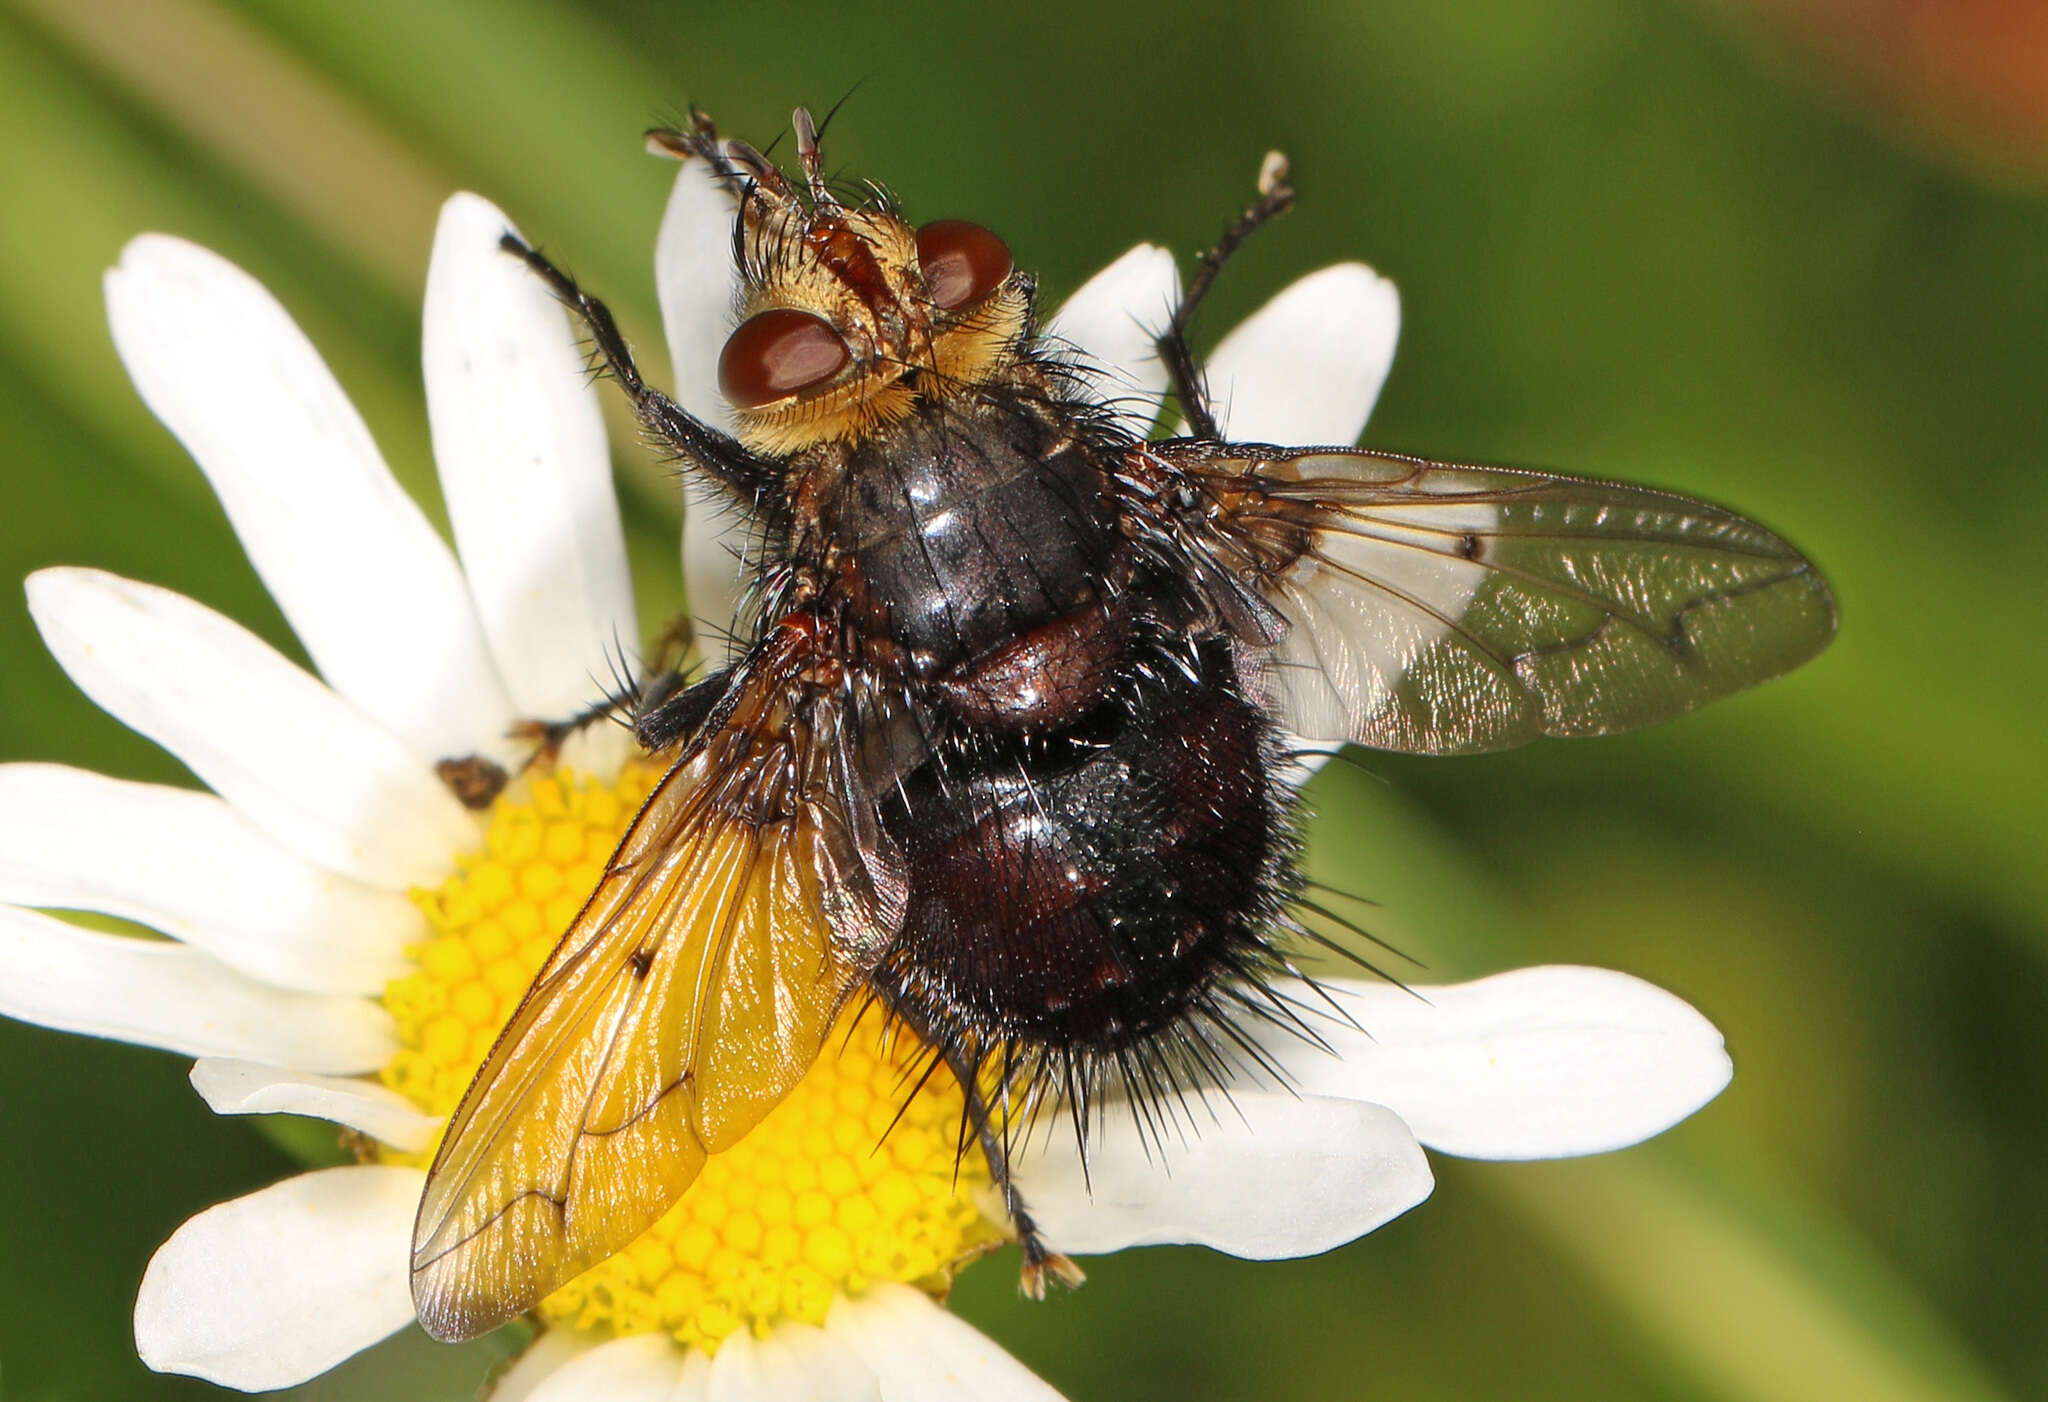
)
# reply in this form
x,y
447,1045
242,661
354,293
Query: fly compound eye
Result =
x,y
962,262
776,353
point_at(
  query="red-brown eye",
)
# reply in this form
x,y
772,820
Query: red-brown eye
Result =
x,y
776,353
962,262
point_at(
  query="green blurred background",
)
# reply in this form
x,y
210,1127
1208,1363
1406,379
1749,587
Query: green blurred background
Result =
x,y
1734,252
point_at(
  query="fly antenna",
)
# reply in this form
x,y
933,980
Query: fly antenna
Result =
x,y
812,159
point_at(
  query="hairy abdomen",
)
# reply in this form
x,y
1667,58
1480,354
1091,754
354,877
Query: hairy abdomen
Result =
x,y
1096,892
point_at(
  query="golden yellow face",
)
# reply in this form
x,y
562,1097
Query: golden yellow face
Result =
x,y
850,317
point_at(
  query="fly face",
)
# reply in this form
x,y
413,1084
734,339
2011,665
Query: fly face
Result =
x,y
1002,752
850,317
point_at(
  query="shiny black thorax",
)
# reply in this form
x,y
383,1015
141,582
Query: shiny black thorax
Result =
x,y
961,528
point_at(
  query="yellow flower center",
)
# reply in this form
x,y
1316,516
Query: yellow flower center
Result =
x,y
823,1198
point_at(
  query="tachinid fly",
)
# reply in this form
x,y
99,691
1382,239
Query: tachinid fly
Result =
x,y
1002,746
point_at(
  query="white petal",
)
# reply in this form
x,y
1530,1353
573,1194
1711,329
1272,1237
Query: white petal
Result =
x,y
698,284
921,1353
714,539
162,994
547,1355
189,865
1276,1177
233,1087
288,753
1538,1063
1307,367
795,1360
1114,318
637,1368
371,590
279,1286
524,466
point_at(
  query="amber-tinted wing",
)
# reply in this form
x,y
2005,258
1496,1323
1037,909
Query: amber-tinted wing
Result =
x,y
1442,609
693,991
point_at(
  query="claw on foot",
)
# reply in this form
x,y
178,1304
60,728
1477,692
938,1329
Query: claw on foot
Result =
x,y
473,779
1040,1263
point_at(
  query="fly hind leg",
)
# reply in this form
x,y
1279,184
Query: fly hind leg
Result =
x,y
1041,1262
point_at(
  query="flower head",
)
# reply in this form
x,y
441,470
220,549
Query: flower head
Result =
x,y
346,936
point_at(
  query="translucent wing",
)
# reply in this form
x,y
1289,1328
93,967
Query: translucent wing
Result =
x,y
1442,609
695,988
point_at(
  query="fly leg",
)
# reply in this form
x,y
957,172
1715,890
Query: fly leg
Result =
x,y
476,780
1040,1260
548,736
648,703
695,442
1276,197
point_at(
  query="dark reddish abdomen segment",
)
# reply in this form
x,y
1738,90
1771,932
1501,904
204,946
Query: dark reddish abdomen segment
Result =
x,y
1082,895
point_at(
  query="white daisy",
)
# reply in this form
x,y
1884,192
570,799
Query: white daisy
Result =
x,y
345,937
